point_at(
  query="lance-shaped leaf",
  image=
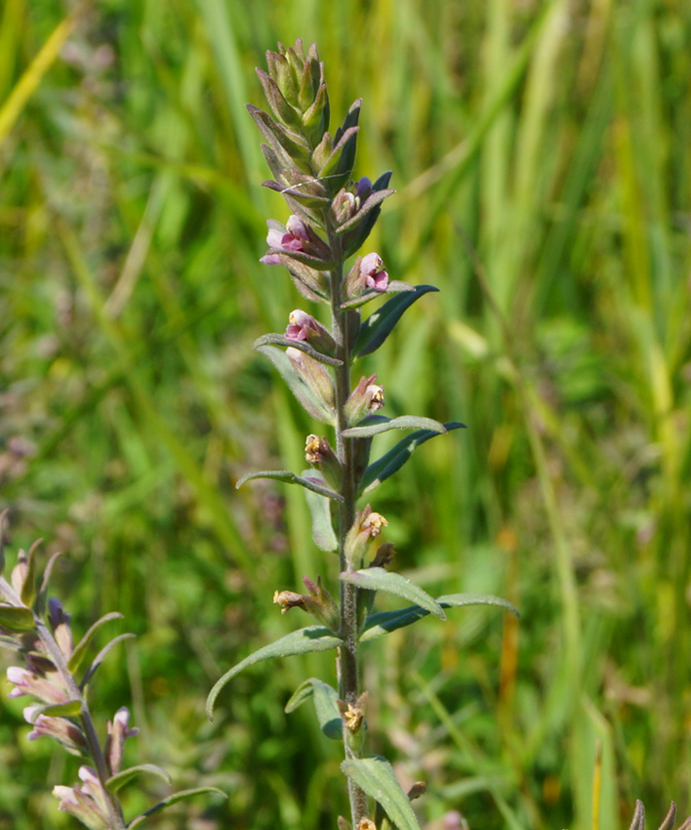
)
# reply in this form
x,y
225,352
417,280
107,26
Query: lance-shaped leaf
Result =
x,y
77,655
16,618
304,259
385,424
377,625
377,327
322,528
101,656
313,483
28,592
115,782
324,698
379,579
301,345
173,799
69,709
376,777
280,107
304,641
316,408
396,457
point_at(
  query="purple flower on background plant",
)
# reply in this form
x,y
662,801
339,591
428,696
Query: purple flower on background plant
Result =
x,y
66,731
374,275
28,683
87,803
118,732
292,237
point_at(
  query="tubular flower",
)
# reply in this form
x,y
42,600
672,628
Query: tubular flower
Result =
x,y
374,275
118,732
367,526
64,730
318,602
28,683
366,398
87,803
290,238
304,327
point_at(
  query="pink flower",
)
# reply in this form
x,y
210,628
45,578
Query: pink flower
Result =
x,y
373,273
292,237
66,731
366,398
302,326
28,683
87,803
118,732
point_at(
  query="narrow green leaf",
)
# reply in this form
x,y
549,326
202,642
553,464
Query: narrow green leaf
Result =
x,y
281,340
101,656
378,579
291,478
173,799
324,698
376,777
115,782
69,709
403,422
28,592
322,528
377,327
77,655
377,625
312,638
395,458
16,618
297,385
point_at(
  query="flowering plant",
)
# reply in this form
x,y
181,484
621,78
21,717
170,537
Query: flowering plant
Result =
x,y
38,630
331,218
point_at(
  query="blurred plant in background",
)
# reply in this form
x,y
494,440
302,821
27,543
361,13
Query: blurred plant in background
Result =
x,y
546,150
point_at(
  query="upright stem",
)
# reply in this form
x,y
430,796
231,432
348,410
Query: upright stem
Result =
x,y
349,690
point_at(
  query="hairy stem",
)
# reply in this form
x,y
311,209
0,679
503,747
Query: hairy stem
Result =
x,y
349,690
115,817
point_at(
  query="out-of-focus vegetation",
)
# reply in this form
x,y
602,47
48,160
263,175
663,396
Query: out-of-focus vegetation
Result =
x,y
542,152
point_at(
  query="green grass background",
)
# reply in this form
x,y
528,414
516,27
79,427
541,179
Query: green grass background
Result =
x,y
542,156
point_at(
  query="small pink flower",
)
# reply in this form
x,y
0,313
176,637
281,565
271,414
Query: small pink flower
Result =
x,y
301,326
118,732
66,731
292,237
366,398
87,803
374,275
28,683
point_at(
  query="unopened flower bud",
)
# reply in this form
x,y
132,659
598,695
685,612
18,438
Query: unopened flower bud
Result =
x,y
315,377
344,206
59,621
366,398
118,732
367,526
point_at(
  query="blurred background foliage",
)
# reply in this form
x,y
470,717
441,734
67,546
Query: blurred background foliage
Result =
x,y
542,155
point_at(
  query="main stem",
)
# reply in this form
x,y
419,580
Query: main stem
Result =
x,y
348,661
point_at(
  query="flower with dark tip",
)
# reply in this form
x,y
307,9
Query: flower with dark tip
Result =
x,y
64,730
